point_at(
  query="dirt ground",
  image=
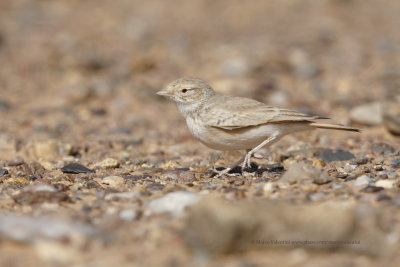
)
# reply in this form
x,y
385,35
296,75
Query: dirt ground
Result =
x,y
77,86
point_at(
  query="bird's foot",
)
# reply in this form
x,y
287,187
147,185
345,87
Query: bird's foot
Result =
x,y
225,171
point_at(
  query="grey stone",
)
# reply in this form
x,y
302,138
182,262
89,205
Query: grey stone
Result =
x,y
362,180
300,173
174,202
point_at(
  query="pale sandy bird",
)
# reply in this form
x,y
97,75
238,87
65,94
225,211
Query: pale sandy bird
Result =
x,y
231,123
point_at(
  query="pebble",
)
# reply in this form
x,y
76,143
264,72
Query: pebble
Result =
x,y
391,117
382,148
340,155
385,183
16,162
49,149
17,180
298,173
108,163
113,181
41,188
174,202
29,229
395,163
4,106
362,180
32,197
76,168
369,114
372,189
123,195
389,174
316,196
3,172
128,215
378,168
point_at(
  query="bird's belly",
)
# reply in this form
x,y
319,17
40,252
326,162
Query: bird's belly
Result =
x,y
237,139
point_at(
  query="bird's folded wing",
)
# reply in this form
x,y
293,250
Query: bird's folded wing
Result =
x,y
236,112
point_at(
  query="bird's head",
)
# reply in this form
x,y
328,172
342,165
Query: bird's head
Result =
x,y
187,91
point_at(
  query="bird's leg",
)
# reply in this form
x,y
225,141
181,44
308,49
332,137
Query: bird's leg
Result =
x,y
247,159
225,171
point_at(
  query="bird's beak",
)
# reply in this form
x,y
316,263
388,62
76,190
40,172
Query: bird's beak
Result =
x,y
163,92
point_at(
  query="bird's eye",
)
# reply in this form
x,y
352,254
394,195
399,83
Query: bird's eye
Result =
x,y
184,90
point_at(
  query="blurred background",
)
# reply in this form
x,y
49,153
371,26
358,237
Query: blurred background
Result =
x,y
65,63
78,81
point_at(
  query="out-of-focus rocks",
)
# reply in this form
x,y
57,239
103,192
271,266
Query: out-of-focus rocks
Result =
x,y
301,173
302,63
123,195
391,117
113,181
108,163
29,229
215,227
39,194
49,149
174,202
16,162
369,114
340,155
363,180
3,172
385,183
75,168
382,148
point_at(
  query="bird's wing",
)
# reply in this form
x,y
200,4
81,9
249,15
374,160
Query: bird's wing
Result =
x,y
237,112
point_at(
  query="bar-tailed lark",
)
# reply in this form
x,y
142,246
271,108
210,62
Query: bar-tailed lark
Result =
x,y
231,123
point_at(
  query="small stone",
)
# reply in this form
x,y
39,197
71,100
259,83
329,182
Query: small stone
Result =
x,y
17,180
383,197
372,189
389,174
31,197
174,202
108,163
113,181
49,149
341,175
340,155
369,114
362,180
385,183
378,168
75,168
318,162
28,229
128,215
239,183
391,117
3,172
360,161
395,164
122,195
41,188
299,173
316,196
382,148
16,162
269,187
4,106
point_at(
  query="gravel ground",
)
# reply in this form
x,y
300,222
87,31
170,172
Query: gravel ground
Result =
x,y
96,170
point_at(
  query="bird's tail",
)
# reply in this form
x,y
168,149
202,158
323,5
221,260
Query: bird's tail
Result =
x,y
334,127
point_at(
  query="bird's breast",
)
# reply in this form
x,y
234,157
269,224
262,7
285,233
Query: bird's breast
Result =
x,y
220,139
